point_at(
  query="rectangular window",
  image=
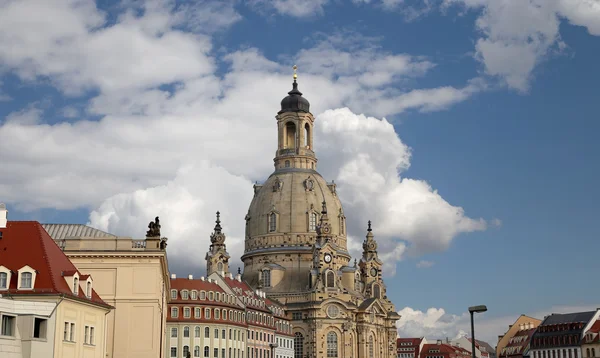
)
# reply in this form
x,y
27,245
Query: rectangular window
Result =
x,y
296,315
8,326
216,352
197,312
92,340
173,297
3,280
223,334
173,332
66,334
72,337
86,334
223,353
173,352
207,313
39,327
216,333
187,312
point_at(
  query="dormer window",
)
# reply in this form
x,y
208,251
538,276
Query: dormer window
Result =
x,y
184,294
194,294
26,278
88,288
3,280
5,275
173,294
75,285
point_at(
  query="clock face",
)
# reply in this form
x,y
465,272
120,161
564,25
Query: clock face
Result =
x,y
373,272
327,258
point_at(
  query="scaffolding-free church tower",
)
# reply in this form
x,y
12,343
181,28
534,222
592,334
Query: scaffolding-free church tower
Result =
x,y
296,251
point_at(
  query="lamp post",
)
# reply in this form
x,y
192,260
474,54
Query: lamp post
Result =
x,y
472,310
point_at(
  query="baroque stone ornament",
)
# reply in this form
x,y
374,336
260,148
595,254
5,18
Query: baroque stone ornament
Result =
x,y
153,228
309,184
277,185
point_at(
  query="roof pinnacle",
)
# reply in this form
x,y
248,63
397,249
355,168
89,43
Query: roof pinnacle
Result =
x,y
295,74
218,227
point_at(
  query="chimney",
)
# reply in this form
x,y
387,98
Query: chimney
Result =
x,y
521,327
202,278
3,213
230,276
173,275
238,277
447,340
439,342
190,277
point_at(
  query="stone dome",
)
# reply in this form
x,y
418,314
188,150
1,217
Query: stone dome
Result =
x,y
294,102
292,194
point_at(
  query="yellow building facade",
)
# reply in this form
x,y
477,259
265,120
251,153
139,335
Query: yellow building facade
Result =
x,y
130,275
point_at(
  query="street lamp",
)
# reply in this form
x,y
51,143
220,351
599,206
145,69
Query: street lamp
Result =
x,y
475,309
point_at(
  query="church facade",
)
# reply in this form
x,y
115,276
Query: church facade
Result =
x,y
296,252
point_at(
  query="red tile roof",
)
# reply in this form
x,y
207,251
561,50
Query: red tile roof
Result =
x,y
27,243
595,327
248,292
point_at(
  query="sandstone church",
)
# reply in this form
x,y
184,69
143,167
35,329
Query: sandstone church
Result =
x,y
296,252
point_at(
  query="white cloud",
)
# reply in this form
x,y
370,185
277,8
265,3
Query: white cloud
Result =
x,y
295,8
436,323
425,264
518,35
65,40
185,152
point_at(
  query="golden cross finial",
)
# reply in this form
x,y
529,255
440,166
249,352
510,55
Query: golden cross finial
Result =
x,y
295,74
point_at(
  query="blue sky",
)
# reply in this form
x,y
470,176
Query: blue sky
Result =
x,y
507,142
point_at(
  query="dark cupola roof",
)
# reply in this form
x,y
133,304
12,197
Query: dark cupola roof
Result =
x,y
294,102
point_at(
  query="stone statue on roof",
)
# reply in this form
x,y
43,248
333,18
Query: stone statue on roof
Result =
x,y
153,228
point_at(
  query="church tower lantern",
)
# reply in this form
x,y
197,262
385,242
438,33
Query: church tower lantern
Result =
x,y
295,126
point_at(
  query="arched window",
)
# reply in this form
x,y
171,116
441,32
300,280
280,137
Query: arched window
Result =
x,y
332,345
371,347
88,289
186,350
329,279
593,352
287,163
206,332
186,332
3,280
312,221
290,135
272,222
220,266
376,291
197,351
75,283
307,141
206,351
266,278
298,345
197,333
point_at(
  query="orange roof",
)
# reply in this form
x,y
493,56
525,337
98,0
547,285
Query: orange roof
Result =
x,y
27,243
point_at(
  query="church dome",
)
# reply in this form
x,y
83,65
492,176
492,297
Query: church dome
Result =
x,y
293,195
294,102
